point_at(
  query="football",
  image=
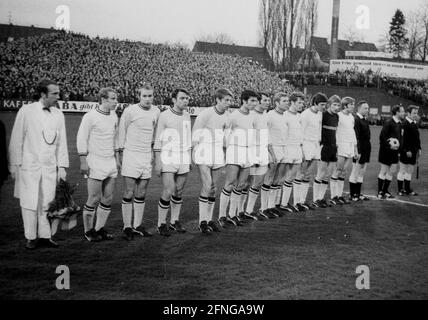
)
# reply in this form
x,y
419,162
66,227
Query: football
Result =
x,y
394,143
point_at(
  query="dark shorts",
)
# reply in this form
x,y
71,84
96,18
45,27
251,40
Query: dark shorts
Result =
x,y
329,154
388,157
404,159
365,150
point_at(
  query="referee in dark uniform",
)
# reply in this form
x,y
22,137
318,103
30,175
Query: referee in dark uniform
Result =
x,y
409,152
359,167
388,157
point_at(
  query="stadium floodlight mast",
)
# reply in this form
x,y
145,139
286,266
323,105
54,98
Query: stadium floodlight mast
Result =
x,y
335,30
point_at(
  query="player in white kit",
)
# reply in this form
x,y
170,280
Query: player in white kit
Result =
x,y
173,148
261,159
271,189
239,158
208,140
98,148
136,135
346,150
311,127
293,151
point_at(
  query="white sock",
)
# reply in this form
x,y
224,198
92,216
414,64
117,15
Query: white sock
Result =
x,y
252,199
242,201
333,187
316,191
272,197
278,195
304,191
176,204
340,186
264,198
211,205
323,190
224,202
127,213
88,217
163,208
286,193
297,186
139,205
234,203
103,211
203,209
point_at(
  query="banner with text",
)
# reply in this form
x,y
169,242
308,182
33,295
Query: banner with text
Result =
x,y
393,69
78,106
369,54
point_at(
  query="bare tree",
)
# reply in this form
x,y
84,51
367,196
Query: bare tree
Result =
x,y
222,38
353,35
284,25
414,34
283,22
294,15
277,25
383,42
265,21
273,39
309,13
423,21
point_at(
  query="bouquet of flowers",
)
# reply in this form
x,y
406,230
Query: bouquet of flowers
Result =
x,y
63,210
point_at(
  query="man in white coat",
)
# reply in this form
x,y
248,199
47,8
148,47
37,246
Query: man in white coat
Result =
x,y
38,156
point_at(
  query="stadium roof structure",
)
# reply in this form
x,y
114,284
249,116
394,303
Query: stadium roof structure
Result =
x,y
323,48
11,31
258,54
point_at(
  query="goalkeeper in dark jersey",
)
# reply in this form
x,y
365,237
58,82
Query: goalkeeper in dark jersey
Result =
x,y
390,142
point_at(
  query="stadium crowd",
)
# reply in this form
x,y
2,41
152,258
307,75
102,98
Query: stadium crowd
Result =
x,y
414,90
83,65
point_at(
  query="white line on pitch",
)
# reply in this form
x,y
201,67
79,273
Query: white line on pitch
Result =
x,y
401,201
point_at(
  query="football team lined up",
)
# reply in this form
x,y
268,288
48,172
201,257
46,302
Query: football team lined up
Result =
x,y
274,154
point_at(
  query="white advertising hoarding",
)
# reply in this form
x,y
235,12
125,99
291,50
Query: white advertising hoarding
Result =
x,y
369,54
80,106
392,69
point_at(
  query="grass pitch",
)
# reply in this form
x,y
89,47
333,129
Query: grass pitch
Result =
x,y
301,256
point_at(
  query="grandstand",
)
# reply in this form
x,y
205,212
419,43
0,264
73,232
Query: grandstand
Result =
x,y
10,32
82,65
258,54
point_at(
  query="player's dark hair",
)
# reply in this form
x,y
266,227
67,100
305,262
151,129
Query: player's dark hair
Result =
x,y
296,95
247,95
42,87
103,93
319,98
175,93
411,108
361,103
395,109
278,96
221,93
261,94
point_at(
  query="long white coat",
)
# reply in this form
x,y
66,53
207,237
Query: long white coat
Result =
x,y
38,145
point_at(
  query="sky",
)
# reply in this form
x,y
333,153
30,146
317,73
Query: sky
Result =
x,y
161,21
